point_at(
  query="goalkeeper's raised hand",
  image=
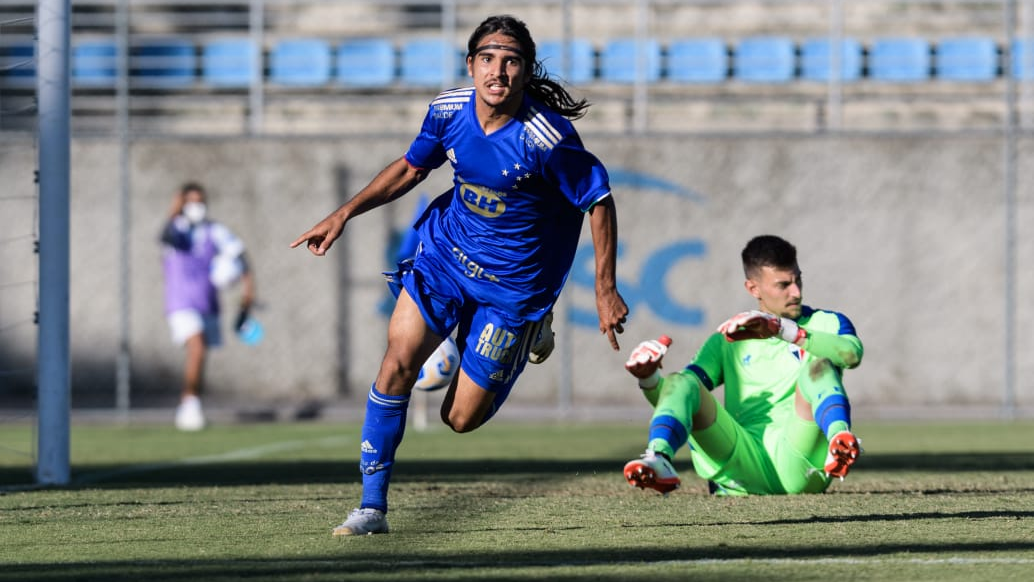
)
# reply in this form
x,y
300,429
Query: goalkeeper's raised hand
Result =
x,y
645,361
760,325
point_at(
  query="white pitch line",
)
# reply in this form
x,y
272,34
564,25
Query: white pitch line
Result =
x,y
236,455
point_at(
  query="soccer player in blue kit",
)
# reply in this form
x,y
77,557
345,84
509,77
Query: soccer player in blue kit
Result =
x,y
494,251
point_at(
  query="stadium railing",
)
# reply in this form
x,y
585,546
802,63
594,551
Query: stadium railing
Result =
x,y
214,52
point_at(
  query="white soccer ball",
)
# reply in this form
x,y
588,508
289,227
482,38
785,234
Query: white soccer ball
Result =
x,y
439,369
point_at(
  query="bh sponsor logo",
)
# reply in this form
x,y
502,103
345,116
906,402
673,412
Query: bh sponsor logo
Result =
x,y
483,201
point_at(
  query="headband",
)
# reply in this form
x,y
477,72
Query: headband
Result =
x,y
503,47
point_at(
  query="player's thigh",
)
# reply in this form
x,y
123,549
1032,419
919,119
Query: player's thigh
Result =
x,y
798,453
733,457
410,342
466,404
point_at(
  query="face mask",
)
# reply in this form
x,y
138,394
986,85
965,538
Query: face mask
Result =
x,y
194,211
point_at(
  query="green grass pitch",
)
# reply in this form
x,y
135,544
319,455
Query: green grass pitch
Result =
x,y
929,501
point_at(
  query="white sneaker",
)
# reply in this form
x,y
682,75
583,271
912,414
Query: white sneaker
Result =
x,y
544,341
189,416
363,522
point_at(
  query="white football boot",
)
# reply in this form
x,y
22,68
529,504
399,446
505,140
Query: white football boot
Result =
x,y
544,341
652,471
363,522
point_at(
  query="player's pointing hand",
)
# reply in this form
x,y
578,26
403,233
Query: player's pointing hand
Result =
x,y
320,237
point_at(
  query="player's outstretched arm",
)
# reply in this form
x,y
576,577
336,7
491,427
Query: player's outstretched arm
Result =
x,y
760,325
392,182
610,305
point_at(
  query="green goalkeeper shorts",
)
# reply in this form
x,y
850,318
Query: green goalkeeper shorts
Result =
x,y
772,460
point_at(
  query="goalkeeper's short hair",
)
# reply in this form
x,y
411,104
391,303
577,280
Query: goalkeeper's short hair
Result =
x,y
768,250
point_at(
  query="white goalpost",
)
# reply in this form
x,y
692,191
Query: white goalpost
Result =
x,y
53,370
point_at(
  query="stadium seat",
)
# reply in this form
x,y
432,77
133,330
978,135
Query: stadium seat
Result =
x,y
966,59
432,63
764,59
300,62
94,63
817,57
366,62
698,60
899,60
582,65
162,63
227,62
18,64
620,60
1022,59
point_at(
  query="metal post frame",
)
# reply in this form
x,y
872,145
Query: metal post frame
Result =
x,y
53,466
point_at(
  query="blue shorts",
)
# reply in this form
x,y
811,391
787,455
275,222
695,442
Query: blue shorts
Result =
x,y
493,342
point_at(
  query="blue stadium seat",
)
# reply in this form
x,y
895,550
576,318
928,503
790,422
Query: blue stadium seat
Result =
x,y
18,64
967,59
1022,59
764,59
94,63
227,62
698,60
899,60
620,58
300,62
366,62
817,56
424,63
162,63
582,65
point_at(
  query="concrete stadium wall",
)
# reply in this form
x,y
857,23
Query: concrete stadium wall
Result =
x,y
905,235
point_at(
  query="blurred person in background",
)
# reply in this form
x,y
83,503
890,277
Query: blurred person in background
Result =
x,y
200,257
785,425
494,251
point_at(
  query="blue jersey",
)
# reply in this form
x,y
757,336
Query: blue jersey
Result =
x,y
509,228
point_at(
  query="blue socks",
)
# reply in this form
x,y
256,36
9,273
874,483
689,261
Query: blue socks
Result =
x,y
669,431
383,427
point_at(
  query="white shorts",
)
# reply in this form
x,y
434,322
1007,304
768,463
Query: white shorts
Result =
x,y
186,323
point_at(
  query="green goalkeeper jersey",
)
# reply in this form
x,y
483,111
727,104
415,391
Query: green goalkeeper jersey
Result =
x,y
760,375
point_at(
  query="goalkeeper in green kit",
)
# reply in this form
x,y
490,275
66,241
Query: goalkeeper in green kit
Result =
x,y
785,426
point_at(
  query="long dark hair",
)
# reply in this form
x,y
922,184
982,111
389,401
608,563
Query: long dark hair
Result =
x,y
540,86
